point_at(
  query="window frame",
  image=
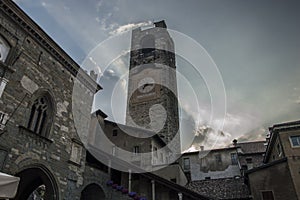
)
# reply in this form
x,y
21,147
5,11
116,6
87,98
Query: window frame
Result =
x,y
235,156
265,191
249,160
185,166
7,47
136,148
45,129
115,132
218,158
291,142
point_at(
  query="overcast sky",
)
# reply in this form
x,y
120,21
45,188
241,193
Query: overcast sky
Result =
x,y
254,44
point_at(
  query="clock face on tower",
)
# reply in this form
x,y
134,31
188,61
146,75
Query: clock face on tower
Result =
x,y
146,85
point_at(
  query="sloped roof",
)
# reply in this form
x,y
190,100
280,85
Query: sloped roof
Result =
x,y
227,188
252,147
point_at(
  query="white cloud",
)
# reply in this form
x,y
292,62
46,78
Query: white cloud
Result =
x,y
127,27
98,5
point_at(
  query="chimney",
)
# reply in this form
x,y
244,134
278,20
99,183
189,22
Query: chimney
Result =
x,y
234,142
202,148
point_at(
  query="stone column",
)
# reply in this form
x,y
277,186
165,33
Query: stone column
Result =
x,y
153,189
129,180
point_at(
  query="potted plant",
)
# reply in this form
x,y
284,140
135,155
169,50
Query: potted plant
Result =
x,y
124,191
132,194
109,183
119,188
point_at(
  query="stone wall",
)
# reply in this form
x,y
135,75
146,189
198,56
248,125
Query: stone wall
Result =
x,y
293,156
34,70
275,178
203,164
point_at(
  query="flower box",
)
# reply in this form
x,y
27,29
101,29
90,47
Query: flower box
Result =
x,y
119,188
109,183
124,191
132,194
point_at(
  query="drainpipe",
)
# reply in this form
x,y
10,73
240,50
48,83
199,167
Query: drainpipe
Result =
x,y
153,189
129,180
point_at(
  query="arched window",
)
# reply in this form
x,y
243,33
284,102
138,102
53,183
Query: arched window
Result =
x,y
41,115
4,49
148,44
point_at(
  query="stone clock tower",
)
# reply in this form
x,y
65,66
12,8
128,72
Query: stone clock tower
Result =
x,y
152,87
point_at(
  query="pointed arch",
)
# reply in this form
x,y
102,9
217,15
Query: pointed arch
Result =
x,y
41,113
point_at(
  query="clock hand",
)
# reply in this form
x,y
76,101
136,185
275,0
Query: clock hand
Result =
x,y
145,85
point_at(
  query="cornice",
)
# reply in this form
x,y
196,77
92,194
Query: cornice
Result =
x,y
31,28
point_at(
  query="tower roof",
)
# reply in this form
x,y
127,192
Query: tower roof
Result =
x,y
161,24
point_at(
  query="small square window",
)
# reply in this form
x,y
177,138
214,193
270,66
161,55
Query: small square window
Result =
x,y
249,160
155,152
244,167
267,195
115,132
136,149
234,160
186,164
218,158
295,141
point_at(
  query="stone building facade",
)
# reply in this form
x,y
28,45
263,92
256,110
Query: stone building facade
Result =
x,y
219,173
168,182
279,177
38,139
211,164
250,154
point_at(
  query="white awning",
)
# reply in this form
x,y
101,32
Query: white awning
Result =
x,y
8,185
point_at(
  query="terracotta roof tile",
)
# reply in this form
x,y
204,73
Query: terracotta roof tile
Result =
x,y
227,188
